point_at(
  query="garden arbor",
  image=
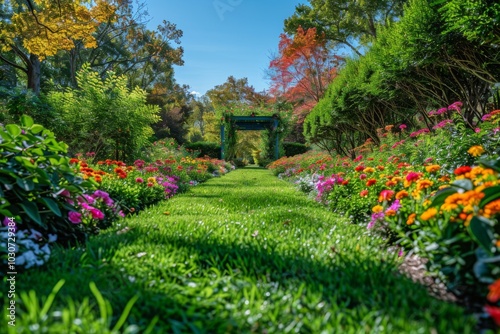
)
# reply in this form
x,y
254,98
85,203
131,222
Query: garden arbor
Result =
x,y
246,123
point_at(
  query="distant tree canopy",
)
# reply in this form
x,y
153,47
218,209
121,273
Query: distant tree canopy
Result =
x,y
346,23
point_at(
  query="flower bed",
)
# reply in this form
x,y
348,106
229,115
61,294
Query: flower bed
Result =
x,y
434,193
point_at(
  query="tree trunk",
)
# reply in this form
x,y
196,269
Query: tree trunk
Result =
x,y
34,73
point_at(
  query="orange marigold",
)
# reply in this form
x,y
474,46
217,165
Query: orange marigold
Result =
x,y
428,214
432,168
424,184
476,150
401,194
411,219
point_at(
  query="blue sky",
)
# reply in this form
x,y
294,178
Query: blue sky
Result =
x,y
224,37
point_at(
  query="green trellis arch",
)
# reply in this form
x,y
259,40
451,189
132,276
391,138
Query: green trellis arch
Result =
x,y
245,123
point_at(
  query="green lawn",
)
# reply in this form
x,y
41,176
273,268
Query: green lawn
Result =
x,y
242,253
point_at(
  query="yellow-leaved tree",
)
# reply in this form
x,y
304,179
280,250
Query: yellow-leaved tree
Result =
x,y
31,30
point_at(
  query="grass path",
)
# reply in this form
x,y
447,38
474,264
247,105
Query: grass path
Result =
x,y
247,253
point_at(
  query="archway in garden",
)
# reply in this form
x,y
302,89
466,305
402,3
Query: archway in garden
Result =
x,y
249,123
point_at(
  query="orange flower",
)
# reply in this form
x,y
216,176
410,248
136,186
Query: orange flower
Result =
x,y
73,161
378,208
369,170
424,184
494,294
391,183
432,168
430,213
476,150
390,212
401,194
411,219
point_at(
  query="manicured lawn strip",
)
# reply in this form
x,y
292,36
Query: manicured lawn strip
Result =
x,y
247,253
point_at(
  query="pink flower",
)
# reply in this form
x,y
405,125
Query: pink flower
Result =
x,y
477,130
402,126
97,214
75,217
362,176
139,180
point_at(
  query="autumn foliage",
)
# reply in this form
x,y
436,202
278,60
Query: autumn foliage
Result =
x,y
303,69
47,26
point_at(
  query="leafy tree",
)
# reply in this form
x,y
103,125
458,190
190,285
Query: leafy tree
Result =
x,y
105,116
477,20
196,125
302,71
127,47
347,23
233,92
175,104
32,30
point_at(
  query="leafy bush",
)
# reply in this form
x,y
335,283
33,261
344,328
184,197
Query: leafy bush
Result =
x,y
105,116
292,148
205,148
38,186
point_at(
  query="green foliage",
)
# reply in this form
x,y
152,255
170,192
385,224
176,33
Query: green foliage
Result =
x,y
477,20
210,149
104,116
38,186
18,102
37,315
292,148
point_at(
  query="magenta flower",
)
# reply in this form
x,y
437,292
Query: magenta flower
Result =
x,y
75,217
139,180
97,214
402,126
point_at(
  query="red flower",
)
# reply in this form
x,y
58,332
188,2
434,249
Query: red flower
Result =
x,y
359,168
371,182
363,193
494,312
385,195
462,170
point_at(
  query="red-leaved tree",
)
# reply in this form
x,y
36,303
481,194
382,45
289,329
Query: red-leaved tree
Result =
x,y
301,72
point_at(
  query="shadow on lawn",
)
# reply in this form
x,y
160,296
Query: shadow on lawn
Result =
x,y
350,281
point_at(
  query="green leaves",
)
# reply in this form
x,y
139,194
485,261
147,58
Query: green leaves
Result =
x,y
33,172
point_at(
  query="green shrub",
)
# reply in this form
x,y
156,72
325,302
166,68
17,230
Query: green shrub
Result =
x,y
38,188
205,148
292,148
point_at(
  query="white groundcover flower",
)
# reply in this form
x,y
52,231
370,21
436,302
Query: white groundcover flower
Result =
x,y
31,249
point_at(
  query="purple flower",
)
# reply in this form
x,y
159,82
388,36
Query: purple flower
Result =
x,y
75,217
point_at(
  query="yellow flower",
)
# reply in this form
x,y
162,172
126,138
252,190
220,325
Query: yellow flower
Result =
x,y
151,180
432,168
377,208
368,170
430,213
476,150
